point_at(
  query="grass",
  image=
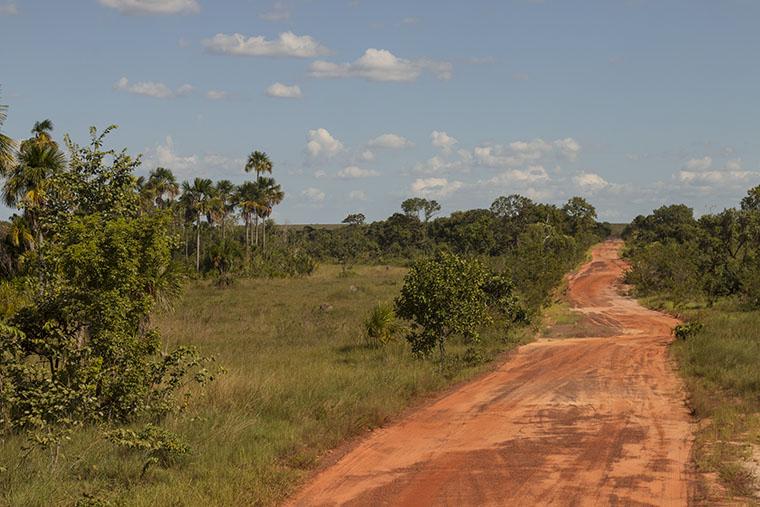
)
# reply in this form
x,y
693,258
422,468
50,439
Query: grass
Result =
x,y
300,380
721,368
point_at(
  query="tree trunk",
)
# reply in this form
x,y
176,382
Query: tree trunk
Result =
x,y
198,245
263,235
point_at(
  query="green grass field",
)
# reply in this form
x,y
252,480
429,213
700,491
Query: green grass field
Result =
x,y
300,380
721,367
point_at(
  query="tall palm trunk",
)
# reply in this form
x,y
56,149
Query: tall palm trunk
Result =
x,y
198,245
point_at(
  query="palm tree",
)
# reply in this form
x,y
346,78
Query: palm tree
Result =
x,y
164,186
7,145
270,194
246,196
198,197
225,193
259,162
42,130
19,233
27,179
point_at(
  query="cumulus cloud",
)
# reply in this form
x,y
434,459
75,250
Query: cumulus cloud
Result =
x,y
282,91
353,171
435,187
322,143
590,182
153,89
381,65
357,195
8,9
519,153
287,44
153,6
216,95
367,155
699,164
442,140
278,12
533,174
314,195
698,172
186,165
390,141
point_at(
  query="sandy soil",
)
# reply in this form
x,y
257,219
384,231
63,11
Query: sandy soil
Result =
x,y
575,421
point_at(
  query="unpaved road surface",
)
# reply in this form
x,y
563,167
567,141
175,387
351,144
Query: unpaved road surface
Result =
x,y
579,421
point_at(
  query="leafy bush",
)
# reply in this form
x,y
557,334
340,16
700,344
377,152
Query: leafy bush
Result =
x,y
687,330
157,445
443,296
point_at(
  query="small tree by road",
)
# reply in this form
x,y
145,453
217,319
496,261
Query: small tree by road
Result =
x,y
443,296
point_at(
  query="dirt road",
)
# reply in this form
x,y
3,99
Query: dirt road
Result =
x,y
579,421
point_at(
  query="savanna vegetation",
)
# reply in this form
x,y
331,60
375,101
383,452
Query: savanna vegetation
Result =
x,y
168,340
707,271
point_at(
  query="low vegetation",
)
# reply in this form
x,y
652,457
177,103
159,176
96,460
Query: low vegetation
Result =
x,y
706,272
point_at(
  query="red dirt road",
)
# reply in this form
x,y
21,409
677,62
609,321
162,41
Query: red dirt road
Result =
x,y
578,421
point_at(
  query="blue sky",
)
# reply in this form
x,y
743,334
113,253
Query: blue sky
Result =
x,y
360,104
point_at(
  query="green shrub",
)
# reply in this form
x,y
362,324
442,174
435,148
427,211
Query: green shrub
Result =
x,y
381,325
687,330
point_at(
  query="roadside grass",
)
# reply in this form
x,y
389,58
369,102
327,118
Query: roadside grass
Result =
x,y
721,368
300,380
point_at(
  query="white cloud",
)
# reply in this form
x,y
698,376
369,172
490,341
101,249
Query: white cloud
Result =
x,y
357,195
367,155
313,194
8,9
442,140
167,157
287,44
152,89
153,6
320,173
435,187
216,95
188,165
409,20
282,91
353,171
322,143
519,153
533,174
697,172
278,12
390,141
381,65
590,182
699,164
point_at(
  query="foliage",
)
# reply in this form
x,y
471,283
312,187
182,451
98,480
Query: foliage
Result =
x,y
687,330
156,445
81,349
381,325
443,296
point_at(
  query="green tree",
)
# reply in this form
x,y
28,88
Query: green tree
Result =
x,y
199,198
270,194
581,215
82,350
7,145
443,296
258,162
38,160
164,186
354,219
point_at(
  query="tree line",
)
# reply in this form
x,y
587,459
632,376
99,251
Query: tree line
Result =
x,y
690,259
